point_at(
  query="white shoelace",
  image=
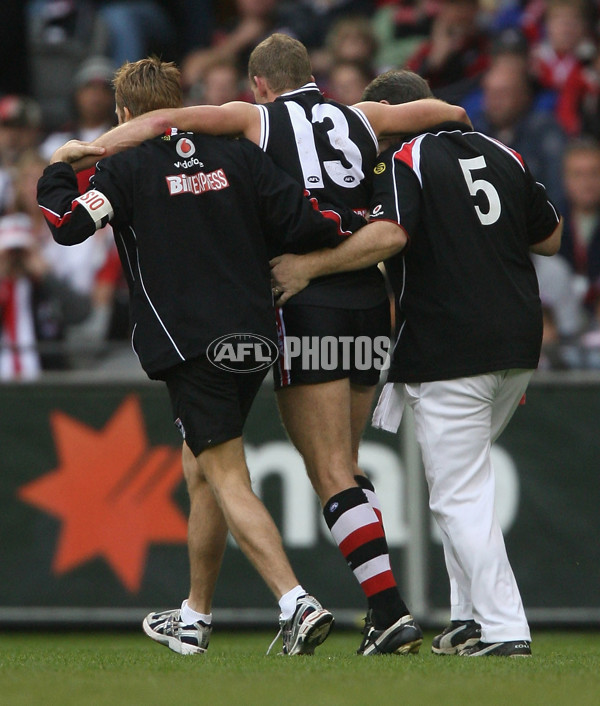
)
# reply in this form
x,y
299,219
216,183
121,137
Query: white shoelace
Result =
x,y
274,641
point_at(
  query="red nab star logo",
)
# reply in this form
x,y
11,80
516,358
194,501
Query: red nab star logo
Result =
x,y
111,492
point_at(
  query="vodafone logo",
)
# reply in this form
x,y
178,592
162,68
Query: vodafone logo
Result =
x,y
185,148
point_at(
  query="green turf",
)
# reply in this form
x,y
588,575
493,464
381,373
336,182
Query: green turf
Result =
x,y
99,669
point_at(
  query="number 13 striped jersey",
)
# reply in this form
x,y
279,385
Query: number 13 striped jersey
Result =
x,y
331,150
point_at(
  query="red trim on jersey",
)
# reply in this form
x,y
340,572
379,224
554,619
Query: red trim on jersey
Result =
x,y
83,184
514,153
312,199
56,220
331,215
378,583
405,154
84,178
361,536
523,399
336,218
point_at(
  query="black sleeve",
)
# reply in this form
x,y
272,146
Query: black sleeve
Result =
x,y
72,217
291,222
396,194
542,214
114,179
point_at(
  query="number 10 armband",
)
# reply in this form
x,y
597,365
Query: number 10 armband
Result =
x,y
97,205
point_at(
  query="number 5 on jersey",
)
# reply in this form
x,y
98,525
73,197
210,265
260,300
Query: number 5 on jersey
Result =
x,y
477,185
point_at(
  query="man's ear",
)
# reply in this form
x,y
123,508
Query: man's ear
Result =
x,y
123,114
262,87
384,101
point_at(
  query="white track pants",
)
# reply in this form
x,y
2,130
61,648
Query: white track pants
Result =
x,y
456,422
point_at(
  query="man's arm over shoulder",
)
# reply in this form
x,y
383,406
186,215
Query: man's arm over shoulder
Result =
x,y
236,118
413,117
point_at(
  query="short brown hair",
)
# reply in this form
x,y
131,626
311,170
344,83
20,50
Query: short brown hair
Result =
x,y
282,61
397,86
147,84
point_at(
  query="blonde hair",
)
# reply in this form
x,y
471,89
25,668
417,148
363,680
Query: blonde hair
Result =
x,y
282,61
147,84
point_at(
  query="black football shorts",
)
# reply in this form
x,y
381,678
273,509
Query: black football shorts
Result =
x,y
210,405
319,344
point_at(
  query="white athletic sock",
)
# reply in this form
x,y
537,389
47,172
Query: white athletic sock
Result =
x,y
287,602
190,616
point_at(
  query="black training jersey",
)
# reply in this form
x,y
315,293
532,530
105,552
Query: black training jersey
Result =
x,y
331,150
196,219
467,293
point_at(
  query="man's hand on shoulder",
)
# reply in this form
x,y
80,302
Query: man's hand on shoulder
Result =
x,y
73,150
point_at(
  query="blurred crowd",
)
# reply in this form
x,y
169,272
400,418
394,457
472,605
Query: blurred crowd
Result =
x,y
527,71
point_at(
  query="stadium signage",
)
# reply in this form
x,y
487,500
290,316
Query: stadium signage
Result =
x,y
95,511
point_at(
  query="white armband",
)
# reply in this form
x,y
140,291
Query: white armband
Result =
x,y
97,205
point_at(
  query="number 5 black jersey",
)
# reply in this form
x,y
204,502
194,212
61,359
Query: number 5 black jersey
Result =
x,y
467,293
331,150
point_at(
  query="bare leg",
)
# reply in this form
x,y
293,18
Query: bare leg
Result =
x,y
319,422
207,535
317,419
222,499
224,468
361,405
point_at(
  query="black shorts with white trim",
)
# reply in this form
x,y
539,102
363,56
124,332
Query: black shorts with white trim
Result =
x,y
210,405
319,344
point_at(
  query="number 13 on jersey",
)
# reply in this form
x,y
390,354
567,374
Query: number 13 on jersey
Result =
x,y
339,137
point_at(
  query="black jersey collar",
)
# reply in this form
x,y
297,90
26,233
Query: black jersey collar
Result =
x,y
310,86
450,126
447,126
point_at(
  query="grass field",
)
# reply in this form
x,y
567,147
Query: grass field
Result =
x,y
106,669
